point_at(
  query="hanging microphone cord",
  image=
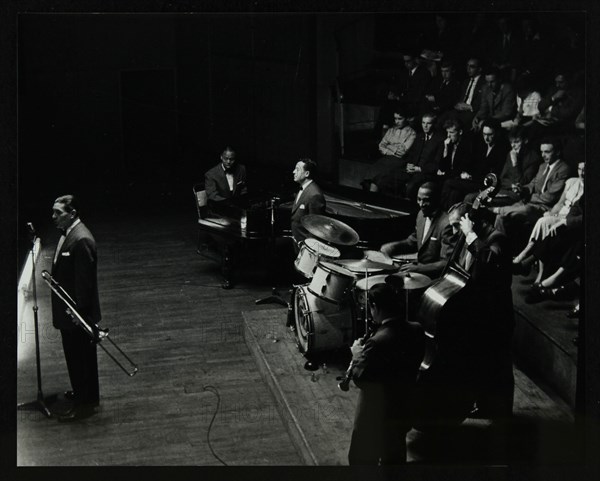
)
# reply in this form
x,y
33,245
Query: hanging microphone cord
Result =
x,y
216,393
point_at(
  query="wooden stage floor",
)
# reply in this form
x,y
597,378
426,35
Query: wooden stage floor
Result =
x,y
200,348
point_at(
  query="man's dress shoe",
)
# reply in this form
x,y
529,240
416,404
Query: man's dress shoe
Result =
x,y
70,396
80,411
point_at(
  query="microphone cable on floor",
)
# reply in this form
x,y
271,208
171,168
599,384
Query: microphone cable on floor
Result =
x,y
216,393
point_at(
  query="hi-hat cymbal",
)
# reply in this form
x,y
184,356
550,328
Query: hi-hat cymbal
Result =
x,y
366,265
408,280
330,230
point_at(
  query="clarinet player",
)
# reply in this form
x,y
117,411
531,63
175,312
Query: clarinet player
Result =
x,y
385,369
74,267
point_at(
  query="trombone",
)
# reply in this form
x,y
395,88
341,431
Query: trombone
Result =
x,y
98,335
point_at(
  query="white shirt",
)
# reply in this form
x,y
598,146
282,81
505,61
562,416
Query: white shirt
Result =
x,y
63,237
229,177
302,187
472,89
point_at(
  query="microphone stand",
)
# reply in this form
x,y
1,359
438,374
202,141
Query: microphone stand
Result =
x,y
40,402
274,298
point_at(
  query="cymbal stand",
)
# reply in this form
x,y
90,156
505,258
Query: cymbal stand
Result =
x,y
40,403
275,297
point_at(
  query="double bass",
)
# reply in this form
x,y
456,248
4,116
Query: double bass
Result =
x,y
452,281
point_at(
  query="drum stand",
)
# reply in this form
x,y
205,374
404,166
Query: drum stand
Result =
x,y
40,403
275,297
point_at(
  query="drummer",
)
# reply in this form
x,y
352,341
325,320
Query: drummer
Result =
x,y
432,238
309,200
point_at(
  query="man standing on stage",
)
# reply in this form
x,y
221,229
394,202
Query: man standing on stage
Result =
x,y
310,199
385,369
75,269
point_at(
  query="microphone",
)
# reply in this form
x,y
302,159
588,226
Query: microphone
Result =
x,y
30,228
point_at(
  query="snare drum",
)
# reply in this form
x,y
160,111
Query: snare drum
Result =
x,y
311,251
331,282
320,325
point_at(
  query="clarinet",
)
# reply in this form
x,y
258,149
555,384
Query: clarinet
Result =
x,y
344,384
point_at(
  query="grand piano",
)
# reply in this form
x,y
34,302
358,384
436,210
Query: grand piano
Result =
x,y
263,216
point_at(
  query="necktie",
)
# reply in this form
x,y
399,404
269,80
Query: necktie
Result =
x,y
426,228
468,93
298,195
546,175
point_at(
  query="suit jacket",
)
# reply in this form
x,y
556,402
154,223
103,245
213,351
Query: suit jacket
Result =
x,y
446,95
426,155
493,162
501,106
480,319
311,201
463,159
477,91
434,249
217,187
386,374
76,271
528,162
554,185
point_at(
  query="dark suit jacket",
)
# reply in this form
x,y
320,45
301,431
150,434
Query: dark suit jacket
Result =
x,y
478,89
446,95
311,201
528,162
463,159
433,251
501,106
554,186
480,318
76,271
492,162
217,187
386,374
426,155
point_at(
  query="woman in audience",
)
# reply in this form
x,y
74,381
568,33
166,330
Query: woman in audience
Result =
x,y
556,217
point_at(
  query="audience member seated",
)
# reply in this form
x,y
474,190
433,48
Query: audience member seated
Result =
x,y
559,259
520,167
498,101
528,100
395,144
443,92
442,37
538,196
558,217
432,238
558,108
535,50
505,48
489,153
408,90
469,98
422,159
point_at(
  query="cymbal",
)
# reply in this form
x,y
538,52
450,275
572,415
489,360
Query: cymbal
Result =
x,y
408,280
330,230
366,265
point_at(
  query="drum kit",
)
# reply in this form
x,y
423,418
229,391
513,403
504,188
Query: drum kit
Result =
x,y
331,310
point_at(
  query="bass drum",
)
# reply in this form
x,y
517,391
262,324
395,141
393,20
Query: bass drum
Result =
x,y
321,325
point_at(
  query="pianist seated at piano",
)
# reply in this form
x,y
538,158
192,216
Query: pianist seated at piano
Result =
x,y
432,239
227,179
309,200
